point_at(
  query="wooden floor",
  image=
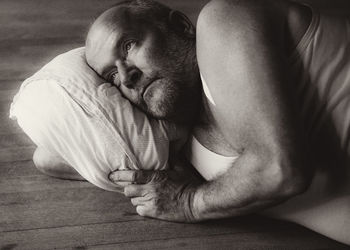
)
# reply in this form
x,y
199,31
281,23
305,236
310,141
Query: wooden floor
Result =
x,y
39,212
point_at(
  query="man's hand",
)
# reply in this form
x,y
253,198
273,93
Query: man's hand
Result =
x,y
162,194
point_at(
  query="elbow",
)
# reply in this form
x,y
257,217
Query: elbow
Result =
x,y
293,184
288,178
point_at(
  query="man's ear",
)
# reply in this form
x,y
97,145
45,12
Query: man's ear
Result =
x,y
181,23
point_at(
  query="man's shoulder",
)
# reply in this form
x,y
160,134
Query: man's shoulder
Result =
x,y
218,17
232,20
224,5
225,27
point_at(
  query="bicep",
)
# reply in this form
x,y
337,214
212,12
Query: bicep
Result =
x,y
247,77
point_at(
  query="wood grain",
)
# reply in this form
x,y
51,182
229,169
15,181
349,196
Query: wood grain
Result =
x,y
149,234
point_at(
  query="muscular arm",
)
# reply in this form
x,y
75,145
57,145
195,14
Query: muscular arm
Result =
x,y
240,55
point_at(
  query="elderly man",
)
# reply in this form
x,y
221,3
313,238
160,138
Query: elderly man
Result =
x,y
273,113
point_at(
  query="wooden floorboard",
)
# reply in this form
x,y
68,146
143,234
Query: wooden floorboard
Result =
x,y
153,232
15,140
238,241
40,212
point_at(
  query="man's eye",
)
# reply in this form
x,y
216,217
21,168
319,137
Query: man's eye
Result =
x,y
128,45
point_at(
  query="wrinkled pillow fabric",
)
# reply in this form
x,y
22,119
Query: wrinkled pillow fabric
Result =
x,y
69,110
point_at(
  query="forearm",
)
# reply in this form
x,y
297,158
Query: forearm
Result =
x,y
212,201
244,189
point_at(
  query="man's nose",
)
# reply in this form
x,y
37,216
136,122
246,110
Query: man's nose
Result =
x,y
129,76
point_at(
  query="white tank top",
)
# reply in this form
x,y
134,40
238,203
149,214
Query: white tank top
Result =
x,y
321,67
209,164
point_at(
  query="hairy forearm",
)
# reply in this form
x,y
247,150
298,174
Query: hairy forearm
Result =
x,y
244,189
212,201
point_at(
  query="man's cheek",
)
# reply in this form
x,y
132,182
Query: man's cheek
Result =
x,y
160,98
160,89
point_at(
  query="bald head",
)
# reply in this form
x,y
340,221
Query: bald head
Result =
x,y
142,11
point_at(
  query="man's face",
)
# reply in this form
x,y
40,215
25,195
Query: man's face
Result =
x,y
138,59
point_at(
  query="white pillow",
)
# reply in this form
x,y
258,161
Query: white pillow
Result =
x,y
69,110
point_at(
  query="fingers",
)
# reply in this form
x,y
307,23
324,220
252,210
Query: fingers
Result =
x,y
142,203
122,176
123,183
139,201
135,176
135,191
